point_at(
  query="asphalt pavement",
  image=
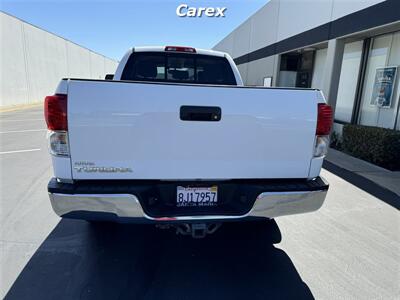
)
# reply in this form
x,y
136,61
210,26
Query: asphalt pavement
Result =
x,y
349,249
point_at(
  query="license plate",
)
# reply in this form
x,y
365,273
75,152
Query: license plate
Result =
x,y
196,196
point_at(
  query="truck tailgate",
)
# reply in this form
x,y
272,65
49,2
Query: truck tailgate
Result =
x,y
129,130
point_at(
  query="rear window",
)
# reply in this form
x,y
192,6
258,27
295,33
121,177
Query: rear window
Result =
x,y
176,67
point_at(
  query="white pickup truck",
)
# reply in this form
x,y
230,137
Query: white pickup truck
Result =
x,y
175,138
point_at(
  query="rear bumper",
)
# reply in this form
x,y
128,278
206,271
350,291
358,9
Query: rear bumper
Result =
x,y
130,201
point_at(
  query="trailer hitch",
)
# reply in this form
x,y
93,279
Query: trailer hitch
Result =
x,y
196,230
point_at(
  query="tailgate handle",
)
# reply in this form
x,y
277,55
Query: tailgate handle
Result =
x,y
200,113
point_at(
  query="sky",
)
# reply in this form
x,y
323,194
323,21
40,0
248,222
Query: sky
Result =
x,y
112,27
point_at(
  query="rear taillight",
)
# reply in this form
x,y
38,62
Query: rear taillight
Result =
x,y
55,112
324,126
180,49
58,143
325,119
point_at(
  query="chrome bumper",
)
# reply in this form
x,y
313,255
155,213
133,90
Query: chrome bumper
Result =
x,y
268,204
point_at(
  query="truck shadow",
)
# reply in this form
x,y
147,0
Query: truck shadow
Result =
x,y
115,261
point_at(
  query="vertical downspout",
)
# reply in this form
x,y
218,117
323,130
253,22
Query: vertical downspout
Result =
x,y
360,81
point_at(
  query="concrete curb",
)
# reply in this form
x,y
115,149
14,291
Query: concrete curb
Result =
x,y
379,182
19,107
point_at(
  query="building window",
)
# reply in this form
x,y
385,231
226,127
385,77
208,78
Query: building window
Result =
x,y
319,68
296,69
384,53
348,81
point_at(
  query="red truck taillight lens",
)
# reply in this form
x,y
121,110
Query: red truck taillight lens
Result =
x,y
325,119
324,126
55,112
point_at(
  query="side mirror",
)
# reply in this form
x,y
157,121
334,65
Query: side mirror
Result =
x,y
109,76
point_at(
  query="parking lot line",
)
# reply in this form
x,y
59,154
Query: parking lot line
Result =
x,y
20,151
22,120
18,131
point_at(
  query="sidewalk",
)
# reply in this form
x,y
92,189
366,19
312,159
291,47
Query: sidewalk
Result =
x,y
386,179
10,108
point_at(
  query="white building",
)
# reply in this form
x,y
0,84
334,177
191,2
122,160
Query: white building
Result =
x,y
33,61
345,48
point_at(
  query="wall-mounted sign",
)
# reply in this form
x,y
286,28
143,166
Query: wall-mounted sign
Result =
x,y
383,87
